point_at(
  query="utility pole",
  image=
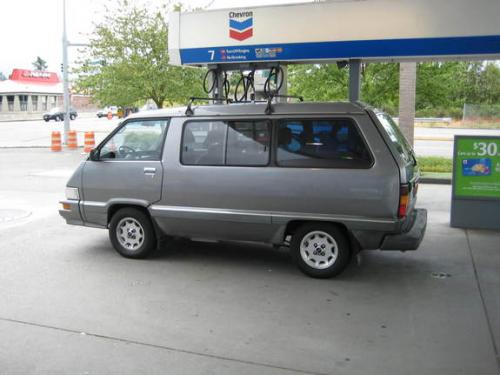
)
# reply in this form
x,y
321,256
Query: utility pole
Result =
x,y
65,45
65,77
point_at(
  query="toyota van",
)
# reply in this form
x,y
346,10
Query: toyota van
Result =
x,y
324,179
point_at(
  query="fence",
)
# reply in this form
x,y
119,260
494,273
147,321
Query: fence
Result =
x,y
481,115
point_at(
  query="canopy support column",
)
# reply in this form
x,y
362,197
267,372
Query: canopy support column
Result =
x,y
354,80
407,87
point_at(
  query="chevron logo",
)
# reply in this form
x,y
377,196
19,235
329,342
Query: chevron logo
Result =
x,y
240,25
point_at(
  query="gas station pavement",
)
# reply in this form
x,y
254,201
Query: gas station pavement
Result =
x,y
70,305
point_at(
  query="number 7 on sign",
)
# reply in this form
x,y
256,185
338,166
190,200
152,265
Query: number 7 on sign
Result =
x,y
212,54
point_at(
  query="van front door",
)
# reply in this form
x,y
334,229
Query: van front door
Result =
x,y
128,170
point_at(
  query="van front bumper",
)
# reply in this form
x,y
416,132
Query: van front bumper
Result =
x,y
411,239
70,211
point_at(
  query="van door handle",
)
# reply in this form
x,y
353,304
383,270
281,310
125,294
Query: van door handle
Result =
x,y
149,170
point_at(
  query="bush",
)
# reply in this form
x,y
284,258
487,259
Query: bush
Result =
x,y
435,164
455,113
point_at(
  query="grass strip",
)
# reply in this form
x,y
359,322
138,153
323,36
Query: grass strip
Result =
x,y
436,164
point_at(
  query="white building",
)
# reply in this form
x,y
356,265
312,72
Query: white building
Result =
x,y
27,94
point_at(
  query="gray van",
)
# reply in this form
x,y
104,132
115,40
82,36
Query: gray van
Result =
x,y
325,179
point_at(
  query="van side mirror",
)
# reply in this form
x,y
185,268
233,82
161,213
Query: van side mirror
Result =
x,y
94,155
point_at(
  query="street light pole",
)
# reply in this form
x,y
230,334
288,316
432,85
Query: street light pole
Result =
x,y
65,76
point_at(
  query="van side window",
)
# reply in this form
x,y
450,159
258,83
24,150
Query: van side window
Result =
x,y
203,143
248,143
318,143
136,140
233,143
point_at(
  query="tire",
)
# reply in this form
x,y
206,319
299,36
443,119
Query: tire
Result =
x,y
132,234
57,119
46,119
72,117
320,250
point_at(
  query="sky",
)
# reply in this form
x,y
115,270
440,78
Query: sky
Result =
x,y
31,28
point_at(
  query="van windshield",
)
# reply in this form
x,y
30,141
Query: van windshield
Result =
x,y
397,137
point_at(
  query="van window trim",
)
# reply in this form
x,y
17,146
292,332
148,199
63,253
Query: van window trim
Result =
x,y
276,123
128,121
242,119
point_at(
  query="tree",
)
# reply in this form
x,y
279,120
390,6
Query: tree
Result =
x,y
321,82
380,86
329,82
127,61
442,87
40,64
2,77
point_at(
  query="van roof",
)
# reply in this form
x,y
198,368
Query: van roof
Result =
x,y
256,109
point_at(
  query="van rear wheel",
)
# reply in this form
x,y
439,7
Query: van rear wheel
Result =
x,y
320,250
132,234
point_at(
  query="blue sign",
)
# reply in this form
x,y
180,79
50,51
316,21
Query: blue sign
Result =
x,y
449,46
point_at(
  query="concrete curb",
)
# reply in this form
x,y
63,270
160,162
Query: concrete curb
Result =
x,y
435,181
438,139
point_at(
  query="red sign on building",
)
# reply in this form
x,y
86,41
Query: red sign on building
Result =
x,y
34,76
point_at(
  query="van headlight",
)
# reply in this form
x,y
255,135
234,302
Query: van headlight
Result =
x,y
72,193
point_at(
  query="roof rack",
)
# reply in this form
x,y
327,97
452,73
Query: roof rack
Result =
x,y
299,97
269,100
189,109
269,107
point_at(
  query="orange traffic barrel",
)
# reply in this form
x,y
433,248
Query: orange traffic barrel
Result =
x,y
110,115
72,141
89,142
56,141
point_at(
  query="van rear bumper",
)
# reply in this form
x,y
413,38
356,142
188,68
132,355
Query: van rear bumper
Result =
x,y
411,239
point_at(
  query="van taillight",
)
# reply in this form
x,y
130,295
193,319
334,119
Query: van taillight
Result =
x,y
404,200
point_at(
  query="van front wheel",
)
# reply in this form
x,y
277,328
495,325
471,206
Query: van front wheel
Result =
x,y
132,234
320,250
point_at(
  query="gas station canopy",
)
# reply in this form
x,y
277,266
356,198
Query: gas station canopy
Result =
x,y
382,30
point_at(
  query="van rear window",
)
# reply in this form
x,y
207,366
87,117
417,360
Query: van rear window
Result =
x,y
396,137
321,143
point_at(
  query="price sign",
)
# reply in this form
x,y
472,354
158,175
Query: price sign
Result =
x,y
477,167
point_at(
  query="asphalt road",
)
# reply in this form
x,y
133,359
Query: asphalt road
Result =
x,y
70,305
428,141
38,133
439,141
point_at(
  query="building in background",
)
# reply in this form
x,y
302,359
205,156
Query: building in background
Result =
x,y
27,94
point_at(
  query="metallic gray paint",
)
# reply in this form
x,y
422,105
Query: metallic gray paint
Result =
x,y
118,182
411,239
249,203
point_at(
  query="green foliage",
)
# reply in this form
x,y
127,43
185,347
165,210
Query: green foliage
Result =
x,y
380,86
442,87
328,82
435,164
438,111
40,64
127,61
322,82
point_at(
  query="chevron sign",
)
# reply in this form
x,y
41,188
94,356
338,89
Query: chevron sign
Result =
x,y
240,25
